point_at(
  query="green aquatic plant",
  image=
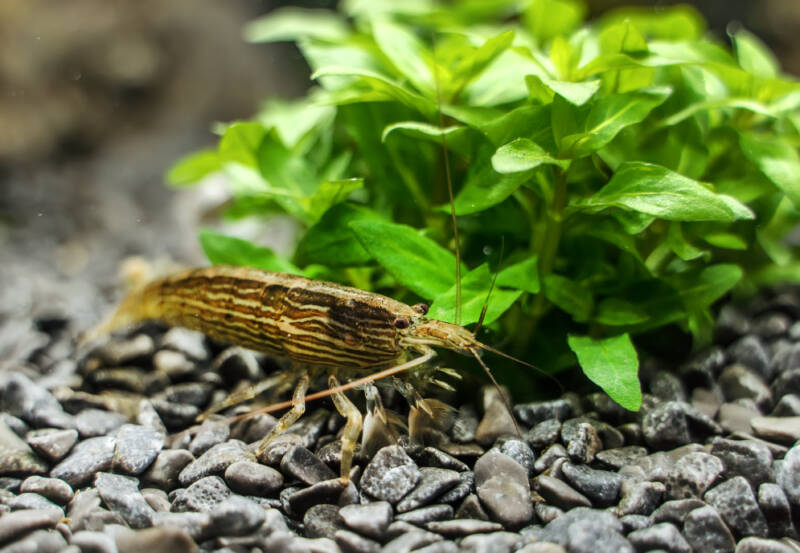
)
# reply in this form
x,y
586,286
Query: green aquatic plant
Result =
x,y
635,168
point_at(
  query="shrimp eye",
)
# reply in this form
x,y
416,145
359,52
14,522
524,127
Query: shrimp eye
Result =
x,y
420,308
401,322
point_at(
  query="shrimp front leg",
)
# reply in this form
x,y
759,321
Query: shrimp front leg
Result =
x,y
352,427
289,418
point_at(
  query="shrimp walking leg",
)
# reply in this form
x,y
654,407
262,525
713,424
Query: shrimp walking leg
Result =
x,y
352,427
245,394
289,418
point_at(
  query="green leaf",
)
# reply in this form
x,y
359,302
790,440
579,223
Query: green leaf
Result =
x,y
456,135
619,312
406,52
680,246
227,250
674,23
474,291
753,56
657,191
472,65
726,240
416,262
549,18
193,167
777,159
609,115
290,24
241,142
330,193
485,187
331,241
569,296
611,363
521,155
701,288
575,93
522,276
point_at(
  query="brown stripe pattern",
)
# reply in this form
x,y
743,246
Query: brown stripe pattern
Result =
x,y
308,321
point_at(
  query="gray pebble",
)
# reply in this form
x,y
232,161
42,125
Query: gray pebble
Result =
x,y
751,352
503,487
53,489
675,423
705,530
322,521
750,459
496,421
519,451
254,428
787,406
534,413
439,547
471,508
196,394
13,525
465,486
588,537
190,342
413,540
31,501
640,498
370,519
787,382
175,416
785,430
236,516
761,545
249,477
675,511
350,542
215,460
390,475
581,439
25,399
94,542
52,443
163,472
95,422
122,351
544,433
174,364
277,448
775,506
635,522
542,547
432,457
121,494
433,482
659,536
426,514
157,499
736,418
788,476
547,513
204,495
463,527
299,463
147,415
735,502
559,493
86,458
692,475
737,382
39,541
549,456
137,447
667,386
619,457
154,540
311,427
601,486
327,491
193,524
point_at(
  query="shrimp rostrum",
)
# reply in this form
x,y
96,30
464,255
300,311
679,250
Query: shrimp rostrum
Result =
x,y
349,333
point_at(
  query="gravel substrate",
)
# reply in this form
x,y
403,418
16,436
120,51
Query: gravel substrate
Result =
x,y
92,458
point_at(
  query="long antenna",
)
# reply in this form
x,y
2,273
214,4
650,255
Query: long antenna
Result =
x,y
498,388
449,180
491,288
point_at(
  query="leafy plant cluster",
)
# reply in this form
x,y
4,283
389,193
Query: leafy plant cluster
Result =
x,y
635,168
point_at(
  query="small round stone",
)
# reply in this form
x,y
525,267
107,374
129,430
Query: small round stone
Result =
x,y
327,491
53,489
692,475
236,516
761,545
121,494
390,475
775,506
705,531
136,448
370,519
601,486
785,430
503,487
215,460
788,476
85,460
463,527
659,536
747,458
251,478
433,483
163,472
322,521
735,502
299,463
534,413
203,495
52,443
559,493
18,523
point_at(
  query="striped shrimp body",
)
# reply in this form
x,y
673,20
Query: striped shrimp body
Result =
x,y
312,323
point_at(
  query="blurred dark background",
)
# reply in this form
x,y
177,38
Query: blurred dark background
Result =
x,y
99,97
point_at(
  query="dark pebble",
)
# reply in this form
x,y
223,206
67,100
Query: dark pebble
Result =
x,y
497,421
751,352
136,448
277,448
502,485
520,451
433,482
127,351
692,475
432,457
538,411
149,417
601,486
619,457
735,502
738,382
209,434
326,491
204,495
544,433
121,494
760,545
787,406
53,489
322,521
215,460
788,476
13,525
559,493
370,519
635,522
640,498
176,416
16,457
163,472
582,440
427,514
390,475
750,459
249,477
495,542
463,527
589,537
31,501
85,460
236,516
667,386
51,443
190,342
196,394
547,513
549,456
705,530
350,542
675,423
299,463
775,506
659,536
410,541
675,511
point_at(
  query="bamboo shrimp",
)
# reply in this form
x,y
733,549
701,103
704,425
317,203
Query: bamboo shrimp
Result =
x,y
312,323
